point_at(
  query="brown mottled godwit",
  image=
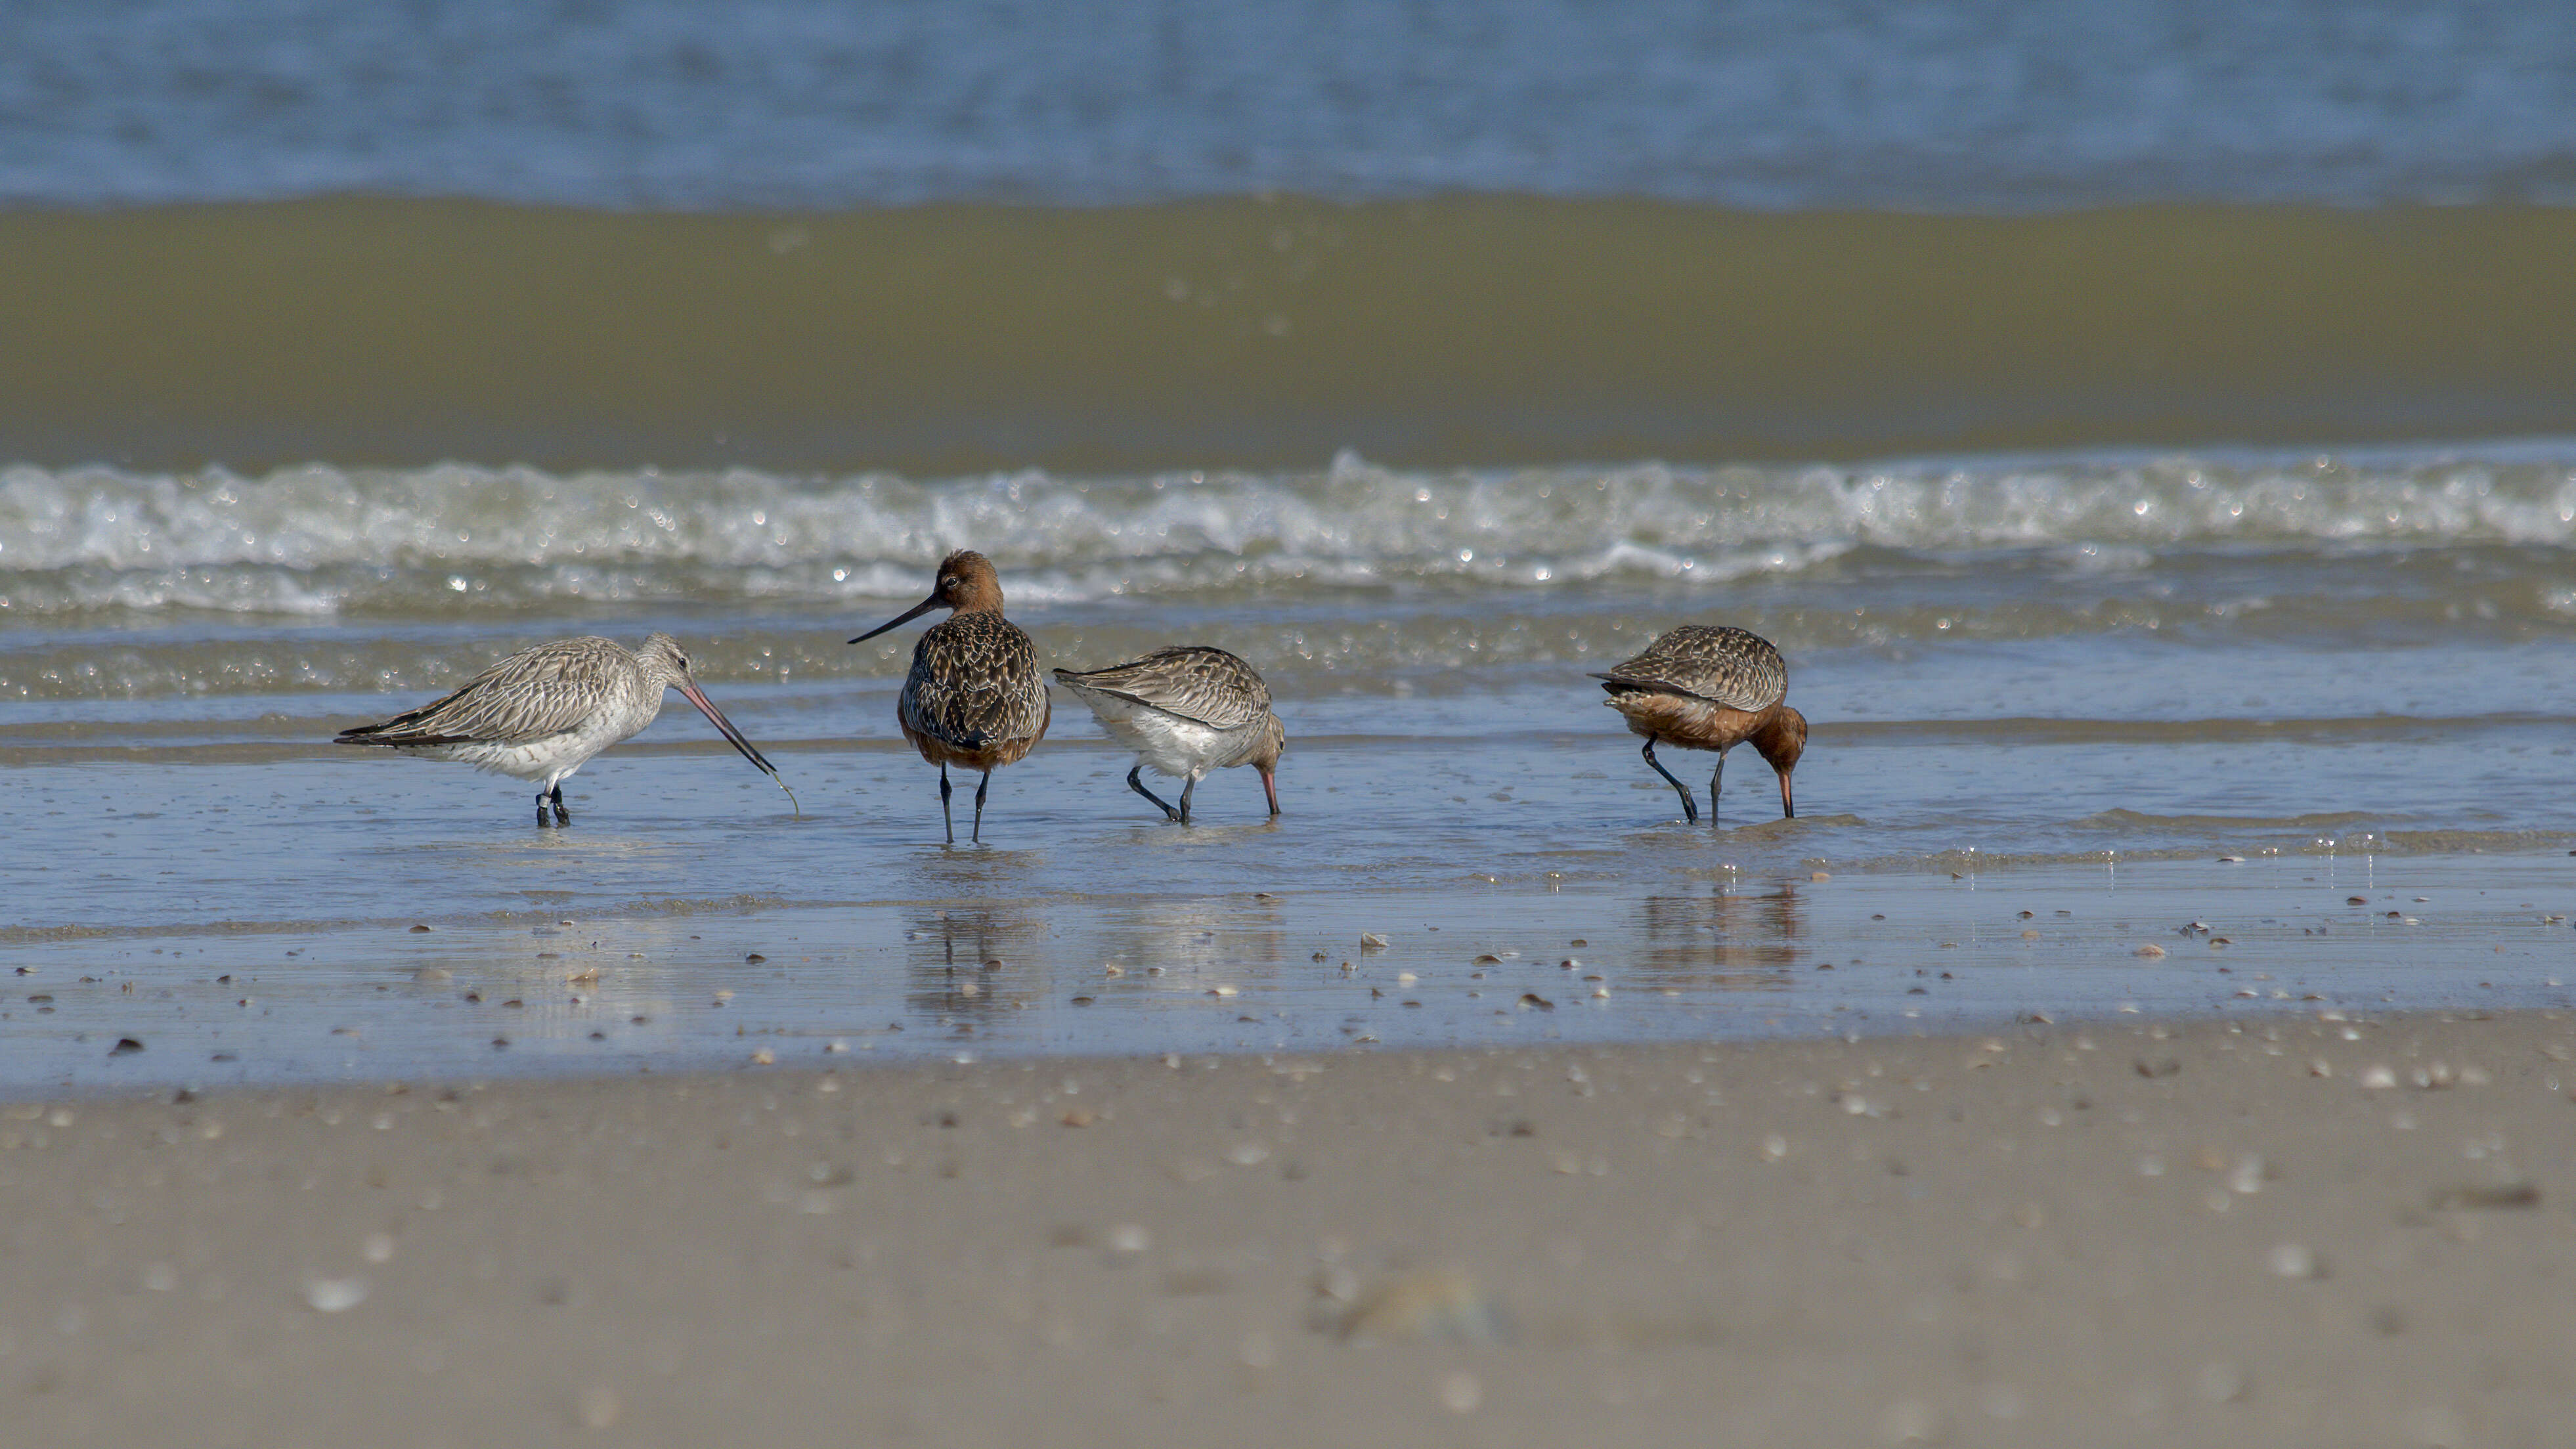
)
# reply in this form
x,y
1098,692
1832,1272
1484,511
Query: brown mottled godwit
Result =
x,y
1710,688
974,697
1185,710
543,712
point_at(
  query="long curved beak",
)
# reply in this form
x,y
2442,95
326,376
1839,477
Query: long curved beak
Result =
x,y
734,738
906,617
1270,787
1788,808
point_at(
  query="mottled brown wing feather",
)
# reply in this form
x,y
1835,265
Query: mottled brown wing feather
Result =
x,y
532,695
1722,664
1197,682
975,683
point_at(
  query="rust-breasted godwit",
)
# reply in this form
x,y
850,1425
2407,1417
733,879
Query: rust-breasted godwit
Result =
x,y
1185,710
974,697
543,712
1711,688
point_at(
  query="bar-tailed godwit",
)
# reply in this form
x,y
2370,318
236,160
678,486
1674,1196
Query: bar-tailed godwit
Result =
x,y
974,697
1711,688
543,712
1185,710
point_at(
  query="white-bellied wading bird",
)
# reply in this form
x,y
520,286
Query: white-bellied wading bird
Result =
x,y
1185,710
1711,688
543,712
974,697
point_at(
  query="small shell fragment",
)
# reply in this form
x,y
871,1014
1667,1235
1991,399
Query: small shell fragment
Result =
x,y
2295,1261
334,1295
1434,1303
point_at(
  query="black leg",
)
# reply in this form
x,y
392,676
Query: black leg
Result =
x,y
1138,785
1186,787
562,816
542,821
1690,811
1715,777
980,787
944,815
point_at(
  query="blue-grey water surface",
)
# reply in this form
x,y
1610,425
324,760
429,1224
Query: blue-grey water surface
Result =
x,y
777,103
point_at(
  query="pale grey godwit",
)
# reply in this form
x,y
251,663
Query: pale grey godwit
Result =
x,y
1711,688
543,712
974,697
1185,710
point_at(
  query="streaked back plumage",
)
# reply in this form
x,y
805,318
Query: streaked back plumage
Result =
x,y
1198,682
560,687
974,696
1718,663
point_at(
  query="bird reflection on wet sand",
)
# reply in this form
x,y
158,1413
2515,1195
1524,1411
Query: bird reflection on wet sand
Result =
x,y
968,963
1728,939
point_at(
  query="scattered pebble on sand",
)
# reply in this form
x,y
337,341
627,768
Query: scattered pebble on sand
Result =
x,y
334,1295
1460,1393
1436,1303
2490,1197
2295,1261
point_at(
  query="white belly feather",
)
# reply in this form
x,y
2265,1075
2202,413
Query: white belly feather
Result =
x,y
1166,743
548,760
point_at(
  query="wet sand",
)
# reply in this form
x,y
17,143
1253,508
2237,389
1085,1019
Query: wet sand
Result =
x,y
2282,1229
312,917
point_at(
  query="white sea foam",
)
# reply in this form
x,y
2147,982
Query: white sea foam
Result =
x,y
314,539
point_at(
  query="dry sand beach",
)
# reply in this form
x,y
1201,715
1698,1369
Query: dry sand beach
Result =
x,y
2284,1229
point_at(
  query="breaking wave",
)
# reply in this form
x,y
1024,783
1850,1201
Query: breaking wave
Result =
x,y
322,540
